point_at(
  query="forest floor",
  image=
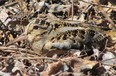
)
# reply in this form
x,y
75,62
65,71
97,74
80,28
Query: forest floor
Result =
x,y
93,54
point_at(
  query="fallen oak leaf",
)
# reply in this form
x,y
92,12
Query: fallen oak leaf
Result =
x,y
79,64
53,68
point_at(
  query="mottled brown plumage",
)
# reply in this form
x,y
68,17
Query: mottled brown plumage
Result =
x,y
59,35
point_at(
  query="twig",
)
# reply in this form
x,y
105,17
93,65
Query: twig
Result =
x,y
97,4
20,38
106,42
10,4
11,48
9,51
3,48
35,58
1,57
72,9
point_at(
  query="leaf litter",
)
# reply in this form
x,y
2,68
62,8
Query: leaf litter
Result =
x,y
93,54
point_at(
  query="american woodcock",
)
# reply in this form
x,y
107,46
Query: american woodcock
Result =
x,y
60,35
51,36
46,37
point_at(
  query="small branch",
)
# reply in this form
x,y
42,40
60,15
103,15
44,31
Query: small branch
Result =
x,y
35,58
20,38
3,48
10,4
97,4
11,48
72,9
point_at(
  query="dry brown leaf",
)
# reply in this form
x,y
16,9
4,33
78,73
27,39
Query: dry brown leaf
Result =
x,y
53,68
79,64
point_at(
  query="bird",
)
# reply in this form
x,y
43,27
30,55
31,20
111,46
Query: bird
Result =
x,y
57,37
45,38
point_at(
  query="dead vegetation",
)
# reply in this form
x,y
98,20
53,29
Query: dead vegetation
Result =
x,y
57,37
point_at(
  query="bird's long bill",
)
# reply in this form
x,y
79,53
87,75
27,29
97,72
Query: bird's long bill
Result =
x,y
19,38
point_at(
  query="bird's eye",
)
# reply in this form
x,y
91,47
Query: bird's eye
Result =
x,y
35,27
